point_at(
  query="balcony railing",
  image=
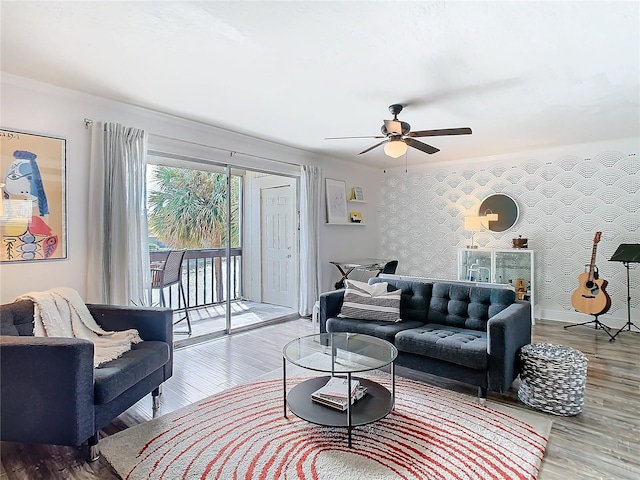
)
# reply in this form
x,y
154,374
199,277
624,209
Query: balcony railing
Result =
x,y
204,278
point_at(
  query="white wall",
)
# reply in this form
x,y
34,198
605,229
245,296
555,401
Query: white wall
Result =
x,y
415,216
564,195
34,107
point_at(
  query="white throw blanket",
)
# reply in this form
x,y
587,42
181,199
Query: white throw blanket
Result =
x,y
60,312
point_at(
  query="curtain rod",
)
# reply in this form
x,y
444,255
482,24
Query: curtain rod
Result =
x,y
231,152
88,122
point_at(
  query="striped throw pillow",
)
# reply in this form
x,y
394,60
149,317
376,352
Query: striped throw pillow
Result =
x,y
370,302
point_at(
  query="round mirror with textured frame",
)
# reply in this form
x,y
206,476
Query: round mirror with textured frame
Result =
x,y
506,208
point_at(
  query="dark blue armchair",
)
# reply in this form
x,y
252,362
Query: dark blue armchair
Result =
x,y
50,391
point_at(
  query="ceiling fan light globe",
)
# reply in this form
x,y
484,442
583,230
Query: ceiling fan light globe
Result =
x,y
395,148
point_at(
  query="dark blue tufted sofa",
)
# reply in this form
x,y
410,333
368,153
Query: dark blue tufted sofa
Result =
x,y
467,333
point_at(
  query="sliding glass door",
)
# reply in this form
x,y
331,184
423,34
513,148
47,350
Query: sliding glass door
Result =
x,y
188,209
239,231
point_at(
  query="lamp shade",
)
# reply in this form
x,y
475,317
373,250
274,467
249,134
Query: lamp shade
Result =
x,y
473,224
395,147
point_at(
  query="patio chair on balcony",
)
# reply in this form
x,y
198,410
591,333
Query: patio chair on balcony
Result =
x,y
168,274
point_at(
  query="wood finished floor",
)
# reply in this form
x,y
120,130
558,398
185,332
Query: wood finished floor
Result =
x,y
601,443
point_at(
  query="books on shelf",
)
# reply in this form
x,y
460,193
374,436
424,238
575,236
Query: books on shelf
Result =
x,y
355,217
334,393
357,194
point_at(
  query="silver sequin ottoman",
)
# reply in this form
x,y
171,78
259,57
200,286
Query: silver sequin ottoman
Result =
x,y
553,378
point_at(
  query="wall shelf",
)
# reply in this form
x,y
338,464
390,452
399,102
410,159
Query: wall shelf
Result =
x,y
356,201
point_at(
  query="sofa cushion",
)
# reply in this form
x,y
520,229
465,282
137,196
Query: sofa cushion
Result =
x,y
456,345
114,377
385,330
370,302
414,300
467,307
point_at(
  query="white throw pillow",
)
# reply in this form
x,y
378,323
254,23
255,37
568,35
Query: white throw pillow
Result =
x,y
370,302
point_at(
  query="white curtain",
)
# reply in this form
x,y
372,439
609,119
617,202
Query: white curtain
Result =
x,y
118,267
310,199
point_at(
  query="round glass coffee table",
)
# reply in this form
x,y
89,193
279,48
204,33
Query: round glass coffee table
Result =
x,y
340,355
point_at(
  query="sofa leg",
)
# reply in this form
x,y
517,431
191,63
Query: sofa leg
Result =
x,y
155,396
482,396
94,448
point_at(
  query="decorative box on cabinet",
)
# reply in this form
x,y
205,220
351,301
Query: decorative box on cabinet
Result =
x,y
511,266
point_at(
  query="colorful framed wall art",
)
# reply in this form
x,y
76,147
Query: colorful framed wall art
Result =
x,y
33,224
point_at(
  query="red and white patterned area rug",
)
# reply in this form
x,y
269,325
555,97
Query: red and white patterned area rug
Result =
x,y
241,433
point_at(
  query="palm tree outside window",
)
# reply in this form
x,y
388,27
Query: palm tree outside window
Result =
x,y
187,209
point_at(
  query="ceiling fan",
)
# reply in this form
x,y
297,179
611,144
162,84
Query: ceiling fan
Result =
x,y
398,136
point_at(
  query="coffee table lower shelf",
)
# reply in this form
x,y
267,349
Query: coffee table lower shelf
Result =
x,y
375,405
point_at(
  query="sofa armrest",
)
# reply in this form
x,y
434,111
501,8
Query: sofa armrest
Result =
x,y
152,323
46,390
507,333
330,305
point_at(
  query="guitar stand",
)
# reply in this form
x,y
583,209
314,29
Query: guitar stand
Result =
x,y
597,324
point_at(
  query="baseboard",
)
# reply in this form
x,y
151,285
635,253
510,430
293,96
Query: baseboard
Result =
x,y
577,317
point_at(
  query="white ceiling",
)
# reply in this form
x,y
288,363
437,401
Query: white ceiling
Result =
x,y
522,75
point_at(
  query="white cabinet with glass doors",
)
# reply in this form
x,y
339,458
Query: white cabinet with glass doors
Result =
x,y
513,267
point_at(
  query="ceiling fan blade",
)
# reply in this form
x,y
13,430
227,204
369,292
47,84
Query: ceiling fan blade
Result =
x,y
421,146
440,132
375,146
393,126
340,138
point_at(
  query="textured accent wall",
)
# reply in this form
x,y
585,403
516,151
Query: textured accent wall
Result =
x,y
563,200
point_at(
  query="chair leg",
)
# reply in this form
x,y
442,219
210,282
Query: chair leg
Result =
x,y
482,396
94,449
162,300
186,310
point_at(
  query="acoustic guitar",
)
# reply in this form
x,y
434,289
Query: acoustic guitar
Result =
x,y
590,296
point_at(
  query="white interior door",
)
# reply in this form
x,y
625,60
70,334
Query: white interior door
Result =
x,y
278,245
